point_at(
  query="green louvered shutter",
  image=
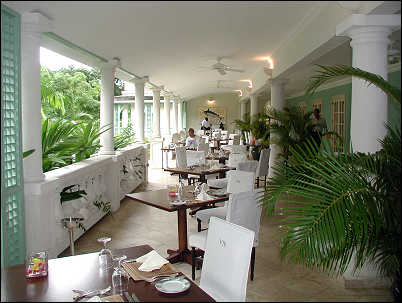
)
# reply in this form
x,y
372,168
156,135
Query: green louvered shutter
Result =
x,y
12,192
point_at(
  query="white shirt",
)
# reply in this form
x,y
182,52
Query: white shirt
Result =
x,y
205,123
192,141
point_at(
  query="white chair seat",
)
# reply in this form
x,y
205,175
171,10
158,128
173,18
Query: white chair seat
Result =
x,y
205,214
218,183
198,240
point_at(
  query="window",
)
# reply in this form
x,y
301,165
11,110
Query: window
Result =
x,y
338,120
12,191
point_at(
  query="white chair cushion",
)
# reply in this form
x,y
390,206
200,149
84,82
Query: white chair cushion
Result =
x,y
198,240
218,183
205,214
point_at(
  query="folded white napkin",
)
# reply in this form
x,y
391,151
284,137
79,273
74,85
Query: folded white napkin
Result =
x,y
203,196
94,299
151,261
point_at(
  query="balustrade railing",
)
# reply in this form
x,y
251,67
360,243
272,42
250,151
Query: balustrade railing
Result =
x,y
105,179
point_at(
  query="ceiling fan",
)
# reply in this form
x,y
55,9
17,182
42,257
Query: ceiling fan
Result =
x,y
223,68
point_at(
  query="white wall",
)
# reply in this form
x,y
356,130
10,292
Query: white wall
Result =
x,y
228,100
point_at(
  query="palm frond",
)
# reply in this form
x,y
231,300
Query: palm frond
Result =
x,y
328,73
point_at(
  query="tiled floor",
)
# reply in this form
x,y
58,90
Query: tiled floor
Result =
x,y
137,224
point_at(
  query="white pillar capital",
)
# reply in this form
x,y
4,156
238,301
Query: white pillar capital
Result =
x,y
278,82
365,23
35,24
140,81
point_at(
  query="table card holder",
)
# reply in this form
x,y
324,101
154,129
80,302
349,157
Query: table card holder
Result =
x,y
70,223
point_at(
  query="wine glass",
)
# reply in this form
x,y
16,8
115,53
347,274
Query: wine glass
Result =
x,y
105,255
120,277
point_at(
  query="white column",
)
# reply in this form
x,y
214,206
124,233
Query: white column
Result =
x,y
175,114
107,109
277,102
243,105
180,115
167,112
253,106
369,42
157,112
139,108
32,26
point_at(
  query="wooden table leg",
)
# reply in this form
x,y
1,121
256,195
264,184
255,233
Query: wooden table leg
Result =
x,y
183,254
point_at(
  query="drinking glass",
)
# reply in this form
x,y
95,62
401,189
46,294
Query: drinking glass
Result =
x,y
105,255
36,265
120,277
197,188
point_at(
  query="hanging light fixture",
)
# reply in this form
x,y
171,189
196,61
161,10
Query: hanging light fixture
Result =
x,y
211,101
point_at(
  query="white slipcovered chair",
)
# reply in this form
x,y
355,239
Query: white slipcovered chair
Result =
x,y
227,244
234,159
203,147
195,157
175,138
182,135
243,210
238,181
263,166
234,139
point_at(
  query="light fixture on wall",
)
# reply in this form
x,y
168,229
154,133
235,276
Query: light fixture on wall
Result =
x,y
269,67
211,101
250,84
240,92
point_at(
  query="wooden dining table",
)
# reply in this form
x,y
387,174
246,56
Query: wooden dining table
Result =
x,y
83,272
199,171
162,200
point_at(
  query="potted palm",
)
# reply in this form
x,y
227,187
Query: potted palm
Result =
x,y
260,130
345,205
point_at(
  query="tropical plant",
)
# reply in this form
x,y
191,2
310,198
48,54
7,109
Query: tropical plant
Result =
x,y
289,128
55,143
243,125
125,138
341,205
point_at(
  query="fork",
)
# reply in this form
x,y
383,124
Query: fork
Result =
x,y
158,277
91,293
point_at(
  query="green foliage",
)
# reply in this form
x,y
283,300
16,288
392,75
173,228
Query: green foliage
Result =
x,y
67,194
27,153
65,142
125,138
260,130
341,204
289,128
328,73
77,90
244,125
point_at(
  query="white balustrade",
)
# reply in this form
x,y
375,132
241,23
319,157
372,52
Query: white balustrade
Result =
x,y
105,178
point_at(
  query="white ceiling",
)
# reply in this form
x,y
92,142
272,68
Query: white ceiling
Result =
x,y
170,41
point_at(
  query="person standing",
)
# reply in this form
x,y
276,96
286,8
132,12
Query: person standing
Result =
x,y
319,125
192,140
205,125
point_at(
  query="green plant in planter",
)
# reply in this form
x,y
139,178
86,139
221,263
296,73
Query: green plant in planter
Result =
x,y
344,205
243,125
261,132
